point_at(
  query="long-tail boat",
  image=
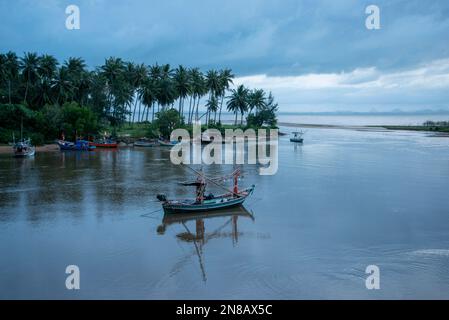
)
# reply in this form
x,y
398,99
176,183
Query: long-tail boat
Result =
x,y
203,202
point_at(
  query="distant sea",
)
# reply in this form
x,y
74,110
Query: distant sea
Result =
x,y
357,119
349,119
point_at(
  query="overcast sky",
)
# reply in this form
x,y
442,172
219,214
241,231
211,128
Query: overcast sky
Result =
x,y
314,55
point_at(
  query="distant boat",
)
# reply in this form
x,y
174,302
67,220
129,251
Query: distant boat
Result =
x,y
79,145
204,202
166,143
143,142
104,143
297,137
23,148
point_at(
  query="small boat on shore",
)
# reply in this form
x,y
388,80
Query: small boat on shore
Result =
x,y
297,137
79,145
147,143
208,202
23,148
104,143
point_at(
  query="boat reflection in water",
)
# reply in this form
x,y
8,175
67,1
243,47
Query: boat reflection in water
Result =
x,y
198,236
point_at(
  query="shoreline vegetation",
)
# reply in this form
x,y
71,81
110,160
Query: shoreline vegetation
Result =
x,y
52,100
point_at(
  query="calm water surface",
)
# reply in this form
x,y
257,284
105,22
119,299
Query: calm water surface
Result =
x,y
340,202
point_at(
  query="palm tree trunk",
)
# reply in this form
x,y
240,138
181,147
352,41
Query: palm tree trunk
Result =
x,y
191,108
221,106
26,93
152,116
9,90
135,107
235,122
197,106
241,118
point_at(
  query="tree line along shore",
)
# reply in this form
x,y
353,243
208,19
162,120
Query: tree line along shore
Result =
x,y
46,98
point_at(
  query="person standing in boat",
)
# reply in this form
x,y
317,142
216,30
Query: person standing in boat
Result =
x,y
200,187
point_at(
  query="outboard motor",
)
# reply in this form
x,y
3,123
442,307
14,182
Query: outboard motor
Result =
x,y
161,197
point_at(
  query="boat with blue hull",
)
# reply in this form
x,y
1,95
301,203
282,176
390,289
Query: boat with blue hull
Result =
x,y
208,202
79,145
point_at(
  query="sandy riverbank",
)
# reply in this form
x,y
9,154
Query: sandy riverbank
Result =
x,y
45,148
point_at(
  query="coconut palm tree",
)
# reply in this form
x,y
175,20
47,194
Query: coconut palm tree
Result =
x,y
47,67
148,93
29,65
213,83
167,92
238,102
182,86
199,89
11,68
139,77
62,85
212,106
226,77
112,71
256,100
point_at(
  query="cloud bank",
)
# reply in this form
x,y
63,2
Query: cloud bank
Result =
x,y
306,51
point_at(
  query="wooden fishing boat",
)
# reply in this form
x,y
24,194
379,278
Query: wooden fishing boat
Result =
x,y
166,143
297,137
79,145
104,143
143,142
23,148
208,202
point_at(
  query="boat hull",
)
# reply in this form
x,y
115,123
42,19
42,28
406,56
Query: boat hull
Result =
x,y
145,144
167,144
297,140
29,153
218,203
70,146
103,145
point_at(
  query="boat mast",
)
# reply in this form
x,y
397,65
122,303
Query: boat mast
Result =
x,y
21,128
236,181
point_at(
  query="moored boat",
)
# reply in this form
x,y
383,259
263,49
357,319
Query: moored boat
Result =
x,y
208,202
167,143
143,142
23,148
104,143
79,145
